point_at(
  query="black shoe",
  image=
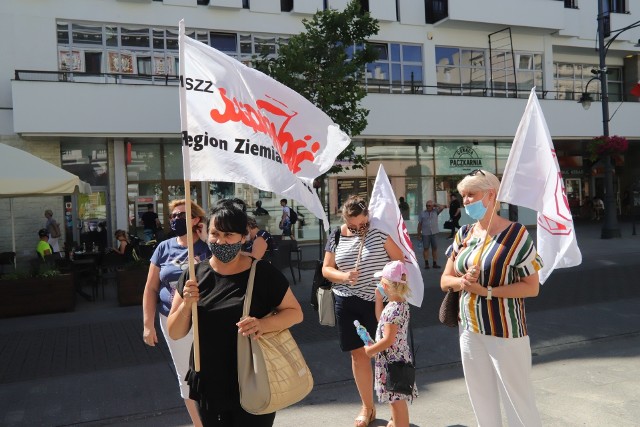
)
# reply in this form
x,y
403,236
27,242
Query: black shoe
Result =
x,y
426,265
435,265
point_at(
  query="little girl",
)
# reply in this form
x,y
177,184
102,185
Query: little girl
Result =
x,y
391,338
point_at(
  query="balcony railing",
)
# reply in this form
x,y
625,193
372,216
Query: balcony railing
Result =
x,y
395,88
104,78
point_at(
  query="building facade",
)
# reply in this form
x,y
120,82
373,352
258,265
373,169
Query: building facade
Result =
x,y
91,86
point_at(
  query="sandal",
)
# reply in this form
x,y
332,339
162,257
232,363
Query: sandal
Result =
x,y
363,420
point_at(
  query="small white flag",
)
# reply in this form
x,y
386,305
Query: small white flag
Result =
x,y
240,125
385,216
532,179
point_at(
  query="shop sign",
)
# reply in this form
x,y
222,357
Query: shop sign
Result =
x,y
462,161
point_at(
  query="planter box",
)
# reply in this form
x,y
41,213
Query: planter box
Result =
x,y
37,295
131,285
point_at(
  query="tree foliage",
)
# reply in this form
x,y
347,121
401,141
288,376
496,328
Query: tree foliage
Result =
x,y
325,64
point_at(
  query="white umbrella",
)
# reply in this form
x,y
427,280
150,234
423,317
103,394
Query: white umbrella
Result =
x,y
23,175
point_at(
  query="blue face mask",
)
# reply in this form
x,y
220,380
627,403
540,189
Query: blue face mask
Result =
x,y
381,290
476,210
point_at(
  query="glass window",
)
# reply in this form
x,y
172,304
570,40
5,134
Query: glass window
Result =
x,y
173,161
145,162
158,39
144,65
134,36
63,33
87,160
265,45
111,34
411,53
86,34
172,39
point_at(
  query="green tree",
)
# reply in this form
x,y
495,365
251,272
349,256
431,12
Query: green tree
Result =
x,y
325,65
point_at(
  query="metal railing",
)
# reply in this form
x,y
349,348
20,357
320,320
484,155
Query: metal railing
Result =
x,y
104,78
388,88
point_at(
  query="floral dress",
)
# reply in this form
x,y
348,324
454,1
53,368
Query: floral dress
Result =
x,y
396,313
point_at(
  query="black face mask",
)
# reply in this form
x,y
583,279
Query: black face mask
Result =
x,y
226,252
179,225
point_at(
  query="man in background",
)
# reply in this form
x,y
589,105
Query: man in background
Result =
x,y
428,230
150,223
285,222
454,214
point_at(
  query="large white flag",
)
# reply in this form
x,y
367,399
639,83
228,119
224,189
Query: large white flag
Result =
x,y
532,179
385,216
239,125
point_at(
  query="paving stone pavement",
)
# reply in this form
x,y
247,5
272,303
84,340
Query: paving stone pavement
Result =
x,y
90,367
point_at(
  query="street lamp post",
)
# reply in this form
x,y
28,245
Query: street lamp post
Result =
x,y
610,227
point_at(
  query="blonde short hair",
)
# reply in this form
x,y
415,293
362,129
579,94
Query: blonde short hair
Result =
x,y
480,180
400,289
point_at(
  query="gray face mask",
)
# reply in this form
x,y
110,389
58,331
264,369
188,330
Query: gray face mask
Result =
x,y
227,252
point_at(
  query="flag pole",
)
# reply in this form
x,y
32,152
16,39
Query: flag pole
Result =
x,y
186,165
192,276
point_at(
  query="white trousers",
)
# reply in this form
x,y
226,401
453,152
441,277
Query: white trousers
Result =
x,y
180,352
499,367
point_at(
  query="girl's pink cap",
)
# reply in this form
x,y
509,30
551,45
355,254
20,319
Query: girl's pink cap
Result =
x,y
393,271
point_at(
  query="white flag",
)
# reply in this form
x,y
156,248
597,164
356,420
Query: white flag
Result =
x,y
532,179
385,216
239,125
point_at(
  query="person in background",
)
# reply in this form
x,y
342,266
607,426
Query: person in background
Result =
x,y
258,241
53,228
150,223
218,292
43,248
260,211
454,214
262,216
361,251
169,260
494,264
124,245
404,209
428,230
285,222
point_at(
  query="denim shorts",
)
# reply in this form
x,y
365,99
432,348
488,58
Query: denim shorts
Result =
x,y
429,241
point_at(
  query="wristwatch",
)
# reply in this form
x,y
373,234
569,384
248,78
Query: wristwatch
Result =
x,y
489,289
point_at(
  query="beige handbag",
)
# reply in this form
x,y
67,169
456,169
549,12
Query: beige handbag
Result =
x,y
272,374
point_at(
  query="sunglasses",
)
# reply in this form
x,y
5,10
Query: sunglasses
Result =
x,y
176,215
360,228
475,172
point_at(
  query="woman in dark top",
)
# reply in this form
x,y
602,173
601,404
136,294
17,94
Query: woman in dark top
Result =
x,y
258,242
218,292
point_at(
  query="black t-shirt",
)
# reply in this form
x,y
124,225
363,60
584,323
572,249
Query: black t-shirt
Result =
x,y
453,208
219,309
149,220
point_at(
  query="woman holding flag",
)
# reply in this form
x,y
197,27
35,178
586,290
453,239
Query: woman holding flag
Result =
x,y
218,292
350,265
494,264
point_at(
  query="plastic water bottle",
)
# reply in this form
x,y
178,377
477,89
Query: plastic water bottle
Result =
x,y
362,333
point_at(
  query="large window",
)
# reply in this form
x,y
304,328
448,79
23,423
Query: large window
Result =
x,y
468,71
570,81
399,68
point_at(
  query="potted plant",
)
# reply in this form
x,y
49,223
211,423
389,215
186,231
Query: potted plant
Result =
x,y
607,145
131,279
39,291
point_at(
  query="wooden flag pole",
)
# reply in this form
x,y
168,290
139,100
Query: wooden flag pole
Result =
x,y
192,275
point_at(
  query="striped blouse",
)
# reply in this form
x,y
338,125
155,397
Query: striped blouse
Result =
x,y
507,257
373,259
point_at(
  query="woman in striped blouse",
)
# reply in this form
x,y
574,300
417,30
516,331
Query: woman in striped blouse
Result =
x,y
495,264
361,251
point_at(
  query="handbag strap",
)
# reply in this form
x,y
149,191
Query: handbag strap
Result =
x,y
247,296
412,347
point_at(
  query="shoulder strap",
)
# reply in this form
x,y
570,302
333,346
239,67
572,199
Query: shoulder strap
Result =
x,y
336,236
249,293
